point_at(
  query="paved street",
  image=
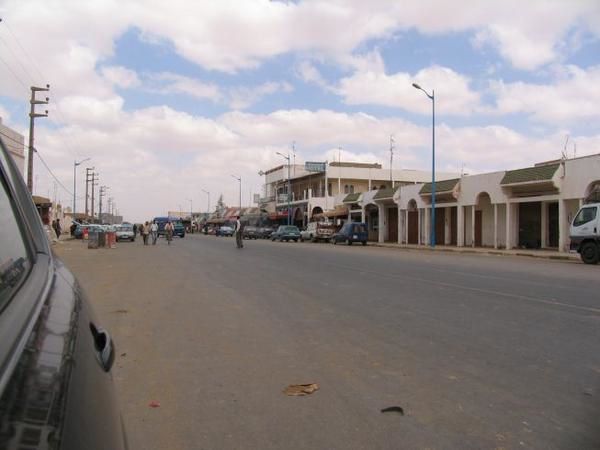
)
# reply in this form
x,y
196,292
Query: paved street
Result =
x,y
480,351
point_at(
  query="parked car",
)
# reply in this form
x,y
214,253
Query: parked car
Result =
x,y
251,232
225,230
318,231
265,232
90,227
56,386
351,232
125,232
178,227
286,233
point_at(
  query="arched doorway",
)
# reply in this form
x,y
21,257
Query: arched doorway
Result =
x,y
483,226
592,193
316,210
298,217
372,219
412,222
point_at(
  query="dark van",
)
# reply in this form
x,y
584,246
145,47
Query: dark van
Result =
x,y
178,228
351,232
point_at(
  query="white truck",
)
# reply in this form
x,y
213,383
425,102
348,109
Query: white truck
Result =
x,y
318,231
585,233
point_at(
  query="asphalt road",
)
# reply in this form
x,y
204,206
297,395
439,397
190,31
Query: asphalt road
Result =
x,y
480,351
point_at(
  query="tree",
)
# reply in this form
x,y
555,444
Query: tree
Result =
x,y
221,207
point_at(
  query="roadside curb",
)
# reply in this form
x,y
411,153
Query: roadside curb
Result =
x,y
558,257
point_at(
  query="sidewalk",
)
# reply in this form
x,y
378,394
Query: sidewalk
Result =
x,y
547,254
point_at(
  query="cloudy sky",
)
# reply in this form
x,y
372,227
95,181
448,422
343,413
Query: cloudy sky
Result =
x,y
172,97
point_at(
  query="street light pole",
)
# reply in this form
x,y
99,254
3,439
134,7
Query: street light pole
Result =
x,y
289,188
75,164
191,216
432,97
208,205
240,181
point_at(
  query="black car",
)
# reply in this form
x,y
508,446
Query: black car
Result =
x,y
56,387
351,232
251,232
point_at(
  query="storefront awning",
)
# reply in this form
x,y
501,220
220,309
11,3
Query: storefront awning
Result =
x,y
337,212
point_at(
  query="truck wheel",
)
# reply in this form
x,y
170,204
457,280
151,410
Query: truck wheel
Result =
x,y
364,242
349,242
301,239
590,253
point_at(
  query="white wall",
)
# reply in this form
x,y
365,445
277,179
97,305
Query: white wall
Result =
x,y
579,173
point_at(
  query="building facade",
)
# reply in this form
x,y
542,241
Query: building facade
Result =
x,y
314,194
15,143
525,208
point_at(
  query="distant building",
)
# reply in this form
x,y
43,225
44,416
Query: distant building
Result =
x,y
314,193
15,143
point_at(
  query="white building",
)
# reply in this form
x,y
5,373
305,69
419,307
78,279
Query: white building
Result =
x,y
314,193
523,208
15,143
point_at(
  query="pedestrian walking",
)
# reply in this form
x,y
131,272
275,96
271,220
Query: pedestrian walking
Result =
x,y
145,230
154,232
239,228
169,232
58,229
135,229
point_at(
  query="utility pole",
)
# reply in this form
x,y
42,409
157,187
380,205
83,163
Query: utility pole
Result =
x,y
87,183
391,158
32,116
101,193
94,184
294,153
75,164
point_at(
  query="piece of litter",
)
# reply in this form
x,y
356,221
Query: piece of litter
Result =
x,y
393,409
301,389
154,404
123,354
121,311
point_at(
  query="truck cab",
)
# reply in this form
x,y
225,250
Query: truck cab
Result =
x,y
585,233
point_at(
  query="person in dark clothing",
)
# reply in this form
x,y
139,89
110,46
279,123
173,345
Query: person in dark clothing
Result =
x,y
135,229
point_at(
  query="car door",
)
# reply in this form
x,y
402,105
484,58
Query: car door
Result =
x,y
56,390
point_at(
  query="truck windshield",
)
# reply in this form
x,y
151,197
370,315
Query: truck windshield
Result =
x,y
585,215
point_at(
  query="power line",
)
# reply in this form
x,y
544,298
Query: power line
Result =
x,y
13,139
54,106
31,60
13,73
51,173
18,60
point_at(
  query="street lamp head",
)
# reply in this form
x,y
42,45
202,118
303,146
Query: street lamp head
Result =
x,y
416,86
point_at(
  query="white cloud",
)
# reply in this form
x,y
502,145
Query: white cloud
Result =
x,y
172,83
154,156
243,97
308,73
453,95
571,98
121,76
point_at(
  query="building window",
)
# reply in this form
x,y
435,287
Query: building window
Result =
x,y
352,189
345,189
329,189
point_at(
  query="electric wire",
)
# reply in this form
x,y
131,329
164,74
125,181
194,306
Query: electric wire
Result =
x,y
52,173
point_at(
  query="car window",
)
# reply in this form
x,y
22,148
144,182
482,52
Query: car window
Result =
x,y
585,215
14,259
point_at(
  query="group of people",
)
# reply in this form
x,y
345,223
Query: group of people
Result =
x,y
150,229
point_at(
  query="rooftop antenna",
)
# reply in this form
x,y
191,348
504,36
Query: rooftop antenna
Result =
x,y
564,152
